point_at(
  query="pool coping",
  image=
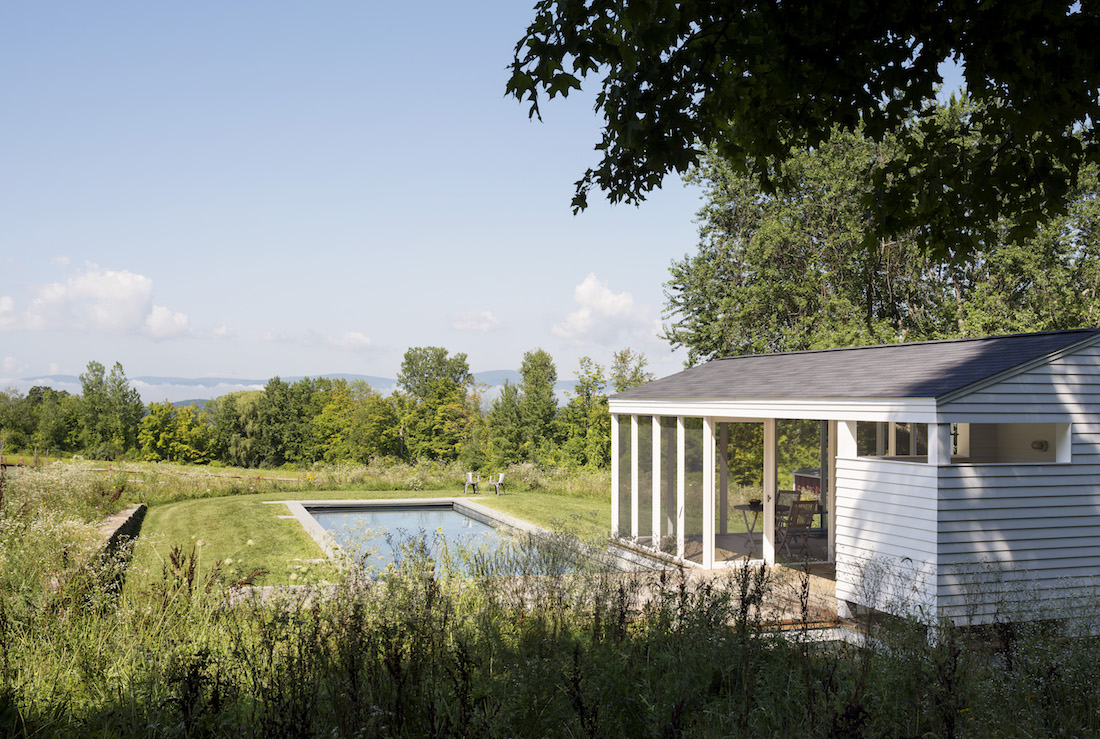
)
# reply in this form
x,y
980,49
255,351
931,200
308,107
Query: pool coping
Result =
x,y
465,506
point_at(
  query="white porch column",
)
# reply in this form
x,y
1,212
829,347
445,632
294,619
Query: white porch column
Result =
x,y
846,439
681,476
939,443
614,474
832,490
656,517
708,493
633,477
670,485
771,453
723,478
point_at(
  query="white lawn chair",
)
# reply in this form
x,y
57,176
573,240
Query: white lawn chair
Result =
x,y
498,483
472,479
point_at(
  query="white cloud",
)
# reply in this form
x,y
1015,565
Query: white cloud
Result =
x,y
598,296
164,324
351,341
60,261
97,300
606,317
8,318
12,367
480,321
223,332
158,391
348,341
274,335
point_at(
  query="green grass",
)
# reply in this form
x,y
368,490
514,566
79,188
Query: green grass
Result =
x,y
585,517
242,532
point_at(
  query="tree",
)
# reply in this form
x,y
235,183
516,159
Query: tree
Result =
x,y
355,424
437,425
110,411
755,81
585,419
176,434
55,414
93,406
125,408
423,366
538,405
1049,282
157,431
284,433
505,427
236,422
16,419
438,412
628,369
793,271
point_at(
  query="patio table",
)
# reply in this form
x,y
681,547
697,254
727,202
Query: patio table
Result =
x,y
750,526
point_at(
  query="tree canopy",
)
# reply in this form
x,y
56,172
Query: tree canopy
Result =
x,y
793,270
756,80
538,406
628,369
423,366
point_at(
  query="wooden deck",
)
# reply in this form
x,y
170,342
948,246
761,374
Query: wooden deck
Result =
x,y
735,547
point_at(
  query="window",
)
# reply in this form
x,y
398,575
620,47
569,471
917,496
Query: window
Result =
x,y
1013,442
971,443
902,440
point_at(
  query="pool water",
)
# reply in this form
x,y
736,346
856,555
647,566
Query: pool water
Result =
x,y
379,533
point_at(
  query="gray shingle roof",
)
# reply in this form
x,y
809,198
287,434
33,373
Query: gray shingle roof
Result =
x,y
927,369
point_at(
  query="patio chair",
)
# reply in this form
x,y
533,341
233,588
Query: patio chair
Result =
x,y
783,500
472,479
498,483
796,527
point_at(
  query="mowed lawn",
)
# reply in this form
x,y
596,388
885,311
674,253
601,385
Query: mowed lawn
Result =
x,y
246,534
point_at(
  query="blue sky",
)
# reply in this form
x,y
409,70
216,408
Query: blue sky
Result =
x,y
255,189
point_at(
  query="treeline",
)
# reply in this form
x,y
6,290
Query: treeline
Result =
x,y
437,412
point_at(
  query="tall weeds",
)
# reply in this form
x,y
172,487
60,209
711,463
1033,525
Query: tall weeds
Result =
x,y
529,642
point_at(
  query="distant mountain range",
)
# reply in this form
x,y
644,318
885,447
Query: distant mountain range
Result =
x,y
187,390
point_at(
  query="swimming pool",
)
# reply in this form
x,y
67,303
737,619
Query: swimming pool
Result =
x,y
479,539
378,532
379,535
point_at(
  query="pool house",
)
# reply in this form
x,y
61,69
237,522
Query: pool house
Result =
x,y
946,476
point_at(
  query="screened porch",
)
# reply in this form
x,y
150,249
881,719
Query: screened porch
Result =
x,y
712,492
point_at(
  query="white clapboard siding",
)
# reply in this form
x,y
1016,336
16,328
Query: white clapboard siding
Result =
x,y
1044,528
885,517
1064,390
1013,536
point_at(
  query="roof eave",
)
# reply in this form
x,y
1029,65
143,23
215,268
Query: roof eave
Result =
x,y
916,410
